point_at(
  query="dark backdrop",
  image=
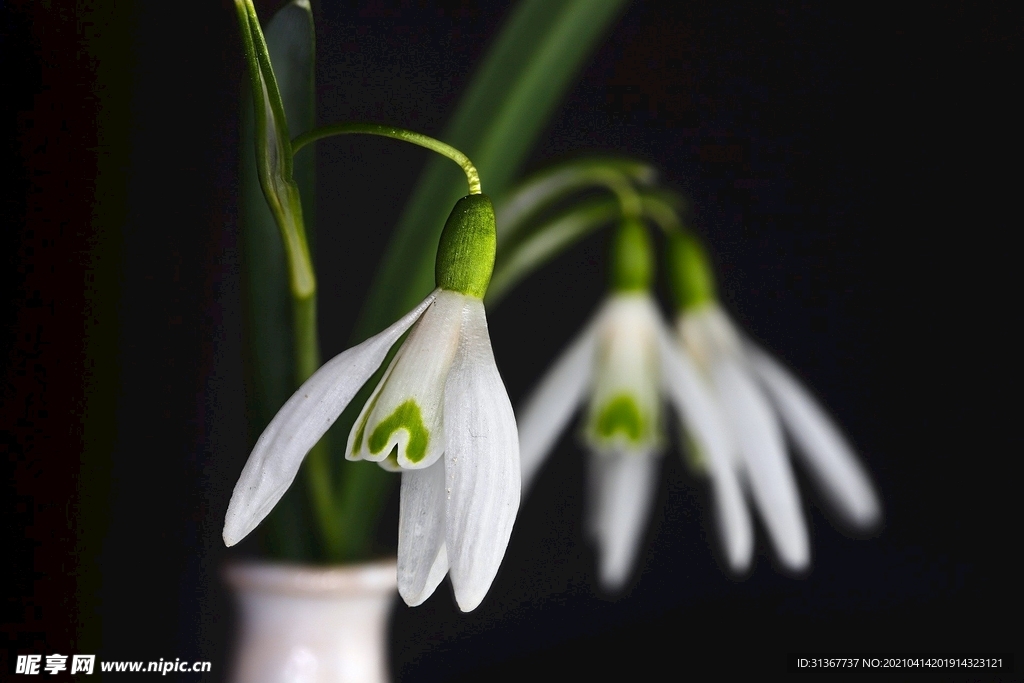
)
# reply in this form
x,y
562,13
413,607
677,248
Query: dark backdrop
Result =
x,y
853,169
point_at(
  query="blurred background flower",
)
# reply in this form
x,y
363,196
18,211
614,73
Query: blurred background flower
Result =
x,y
621,368
824,150
757,397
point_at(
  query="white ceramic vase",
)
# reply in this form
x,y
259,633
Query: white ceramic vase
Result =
x,y
301,624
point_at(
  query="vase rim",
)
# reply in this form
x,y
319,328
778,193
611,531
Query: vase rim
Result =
x,y
378,576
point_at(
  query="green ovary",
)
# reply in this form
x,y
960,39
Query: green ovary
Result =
x,y
621,415
407,416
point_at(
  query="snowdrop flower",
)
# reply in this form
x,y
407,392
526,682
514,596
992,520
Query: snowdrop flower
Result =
x,y
755,393
440,416
624,364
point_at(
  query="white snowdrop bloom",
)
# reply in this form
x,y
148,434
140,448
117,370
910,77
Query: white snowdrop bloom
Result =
x,y
623,365
754,392
440,415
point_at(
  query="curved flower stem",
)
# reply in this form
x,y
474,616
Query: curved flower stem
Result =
x,y
627,196
519,253
535,194
665,208
444,149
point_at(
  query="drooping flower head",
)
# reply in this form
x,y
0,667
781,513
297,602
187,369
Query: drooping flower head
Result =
x,y
755,392
440,415
622,367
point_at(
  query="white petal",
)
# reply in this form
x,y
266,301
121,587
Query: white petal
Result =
x,y
481,463
626,378
693,399
422,562
553,402
300,423
708,333
405,411
769,473
622,492
706,426
826,453
732,519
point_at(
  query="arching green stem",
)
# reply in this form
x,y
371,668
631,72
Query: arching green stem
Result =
x,y
691,276
665,209
444,149
534,195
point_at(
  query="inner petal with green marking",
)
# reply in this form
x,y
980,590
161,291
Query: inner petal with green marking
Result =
x,y
402,424
621,416
625,405
409,417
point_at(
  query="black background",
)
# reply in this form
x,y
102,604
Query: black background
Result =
x,y
855,171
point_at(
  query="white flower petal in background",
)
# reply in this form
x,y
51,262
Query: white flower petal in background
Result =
x,y
481,463
622,490
732,517
693,400
422,561
703,421
755,392
553,402
824,451
627,350
769,475
300,423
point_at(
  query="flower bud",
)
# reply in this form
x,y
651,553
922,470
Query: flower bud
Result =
x,y
465,253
